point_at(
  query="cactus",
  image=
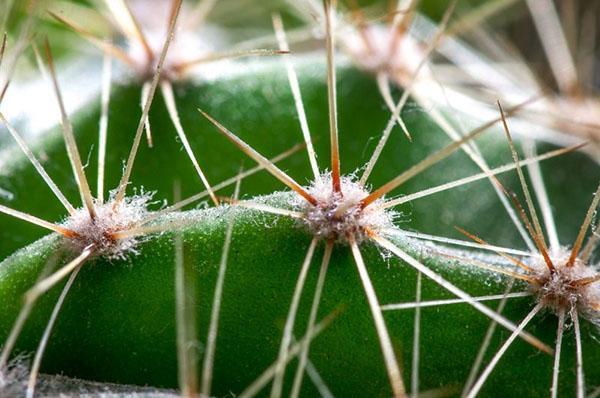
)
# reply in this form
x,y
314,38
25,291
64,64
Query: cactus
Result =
x,y
336,286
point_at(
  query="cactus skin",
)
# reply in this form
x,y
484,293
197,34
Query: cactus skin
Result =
x,y
118,323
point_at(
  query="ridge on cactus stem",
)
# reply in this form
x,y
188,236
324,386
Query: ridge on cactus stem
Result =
x,y
99,229
146,284
562,281
418,79
338,209
111,229
144,32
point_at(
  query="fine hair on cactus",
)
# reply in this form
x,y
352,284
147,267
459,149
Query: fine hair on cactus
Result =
x,y
418,247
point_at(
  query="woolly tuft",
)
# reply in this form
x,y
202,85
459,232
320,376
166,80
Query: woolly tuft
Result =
x,y
559,291
154,22
109,221
380,50
338,215
13,378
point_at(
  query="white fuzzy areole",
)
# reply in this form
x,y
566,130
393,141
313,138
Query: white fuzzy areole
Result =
x,y
558,291
154,23
322,221
109,221
400,62
13,378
